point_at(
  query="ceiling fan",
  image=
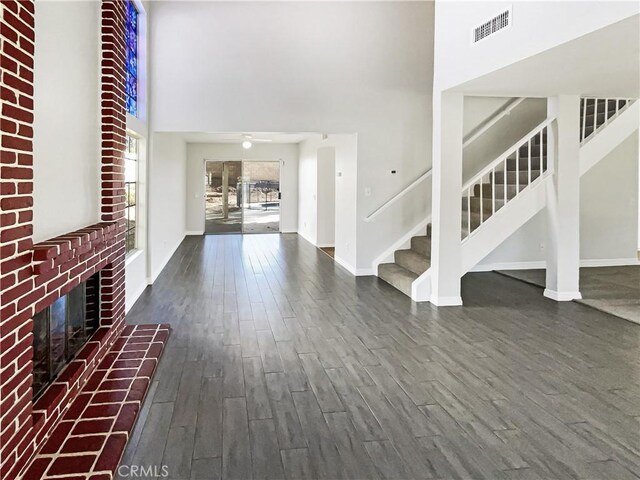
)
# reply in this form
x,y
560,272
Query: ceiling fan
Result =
x,y
247,139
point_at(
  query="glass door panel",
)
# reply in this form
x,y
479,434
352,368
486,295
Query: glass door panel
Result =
x,y
260,196
223,212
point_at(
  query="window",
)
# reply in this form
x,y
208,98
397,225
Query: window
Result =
x,y
131,187
131,34
59,331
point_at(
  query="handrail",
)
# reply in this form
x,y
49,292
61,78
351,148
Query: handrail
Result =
x,y
398,195
491,121
506,154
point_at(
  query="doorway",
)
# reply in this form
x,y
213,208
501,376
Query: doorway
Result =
x,y
242,197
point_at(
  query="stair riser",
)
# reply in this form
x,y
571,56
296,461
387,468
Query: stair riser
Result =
x,y
410,262
402,284
421,245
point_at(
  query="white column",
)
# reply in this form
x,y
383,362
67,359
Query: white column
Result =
x,y
563,200
446,259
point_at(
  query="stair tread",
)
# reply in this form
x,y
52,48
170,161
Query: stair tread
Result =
x,y
397,276
412,261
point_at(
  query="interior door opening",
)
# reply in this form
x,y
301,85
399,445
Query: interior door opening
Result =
x,y
242,197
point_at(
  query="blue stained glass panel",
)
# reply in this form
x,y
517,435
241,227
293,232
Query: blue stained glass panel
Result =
x,y
131,67
131,87
131,105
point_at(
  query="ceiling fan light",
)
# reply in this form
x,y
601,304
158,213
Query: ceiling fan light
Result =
x,y
246,144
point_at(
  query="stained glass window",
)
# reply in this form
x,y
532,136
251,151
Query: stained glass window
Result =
x,y
131,184
131,66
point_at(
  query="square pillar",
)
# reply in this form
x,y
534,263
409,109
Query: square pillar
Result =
x,y
563,200
446,251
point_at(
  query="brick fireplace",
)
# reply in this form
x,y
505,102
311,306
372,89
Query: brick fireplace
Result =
x,y
34,276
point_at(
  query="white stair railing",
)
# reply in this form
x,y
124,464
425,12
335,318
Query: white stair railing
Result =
x,y
482,186
596,113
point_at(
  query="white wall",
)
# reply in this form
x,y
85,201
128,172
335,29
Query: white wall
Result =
x,y
197,153
167,198
502,135
608,217
537,26
67,118
308,190
326,197
360,68
317,191
327,163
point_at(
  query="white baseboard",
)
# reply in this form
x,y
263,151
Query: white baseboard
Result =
x,y
489,267
158,271
358,272
130,302
609,262
446,301
542,264
194,232
311,241
327,245
562,296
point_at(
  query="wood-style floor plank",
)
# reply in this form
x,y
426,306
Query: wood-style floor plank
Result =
x,y
281,364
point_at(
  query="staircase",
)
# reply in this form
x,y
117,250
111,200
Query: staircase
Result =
x,y
408,264
519,172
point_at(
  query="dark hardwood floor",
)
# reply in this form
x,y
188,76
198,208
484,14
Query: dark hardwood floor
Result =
x,y
283,365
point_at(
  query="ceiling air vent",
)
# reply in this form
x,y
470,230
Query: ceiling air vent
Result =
x,y
500,21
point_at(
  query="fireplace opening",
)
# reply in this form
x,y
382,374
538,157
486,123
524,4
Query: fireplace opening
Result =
x,y
60,331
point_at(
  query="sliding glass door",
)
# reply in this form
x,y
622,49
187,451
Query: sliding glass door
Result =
x,y
223,212
261,197
242,197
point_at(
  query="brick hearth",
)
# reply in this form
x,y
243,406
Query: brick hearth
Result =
x,y
89,440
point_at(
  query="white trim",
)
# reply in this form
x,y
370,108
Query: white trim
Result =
x,y
609,262
156,274
327,245
130,302
194,232
446,301
358,272
562,296
490,267
387,255
542,264
132,256
312,242
609,137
